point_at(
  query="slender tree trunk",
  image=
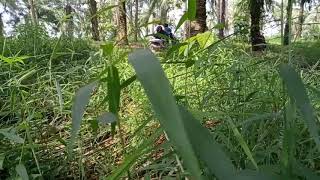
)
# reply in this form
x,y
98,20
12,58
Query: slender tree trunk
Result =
x,y
1,26
69,23
257,39
94,20
199,25
163,13
122,36
136,21
222,17
33,13
301,18
287,27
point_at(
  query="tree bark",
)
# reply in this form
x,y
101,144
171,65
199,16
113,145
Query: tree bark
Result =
x,y
287,27
301,18
199,25
222,17
94,20
69,23
33,13
136,21
122,36
257,39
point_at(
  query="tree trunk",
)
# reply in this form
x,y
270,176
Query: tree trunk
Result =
x,y
287,27
222,17
199,25
257,39
94,20
69,23
1,26
301,18
136,21
163,13
33,13
122,36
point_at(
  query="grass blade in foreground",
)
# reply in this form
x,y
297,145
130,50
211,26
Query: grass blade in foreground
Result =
x,y
206,148
297,92
79,105
156,86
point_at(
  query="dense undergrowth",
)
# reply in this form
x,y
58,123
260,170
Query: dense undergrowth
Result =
x,y
240,97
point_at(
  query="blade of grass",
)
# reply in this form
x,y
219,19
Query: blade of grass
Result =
x,y
242,143
156,85
298,93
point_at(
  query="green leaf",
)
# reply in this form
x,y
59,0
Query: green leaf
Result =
x,y
2,158
242,143
192,9
107,118
288,144
157,88
209,151
22,171
107,49
205,39
127,82
298,93
113,92
78,108
182,20
11,135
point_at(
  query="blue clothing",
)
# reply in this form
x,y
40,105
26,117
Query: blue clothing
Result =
x,y
168,31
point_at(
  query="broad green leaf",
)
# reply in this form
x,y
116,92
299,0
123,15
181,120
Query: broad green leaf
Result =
x,y
192,9
2,158
113,92
11,135
156,85
107,118
22,171
209,151
298,93
242,143
78,108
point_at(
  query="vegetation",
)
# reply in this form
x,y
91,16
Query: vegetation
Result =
x,y
83,97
